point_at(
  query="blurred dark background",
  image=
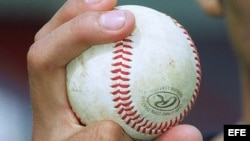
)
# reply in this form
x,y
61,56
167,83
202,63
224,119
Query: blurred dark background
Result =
x,y
219,99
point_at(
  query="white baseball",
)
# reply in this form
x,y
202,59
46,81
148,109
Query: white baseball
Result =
x,y
147,82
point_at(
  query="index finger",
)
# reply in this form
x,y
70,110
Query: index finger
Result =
x,y
71,9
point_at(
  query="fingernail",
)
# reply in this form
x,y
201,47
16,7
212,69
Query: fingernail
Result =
x,y
113,20
92,1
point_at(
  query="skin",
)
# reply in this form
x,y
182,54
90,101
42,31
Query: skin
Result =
x,y
236,13
75,27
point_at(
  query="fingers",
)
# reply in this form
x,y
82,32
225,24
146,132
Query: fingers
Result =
x,y
67,35
71,9
48,57
181,133
212,7
70,39
101,131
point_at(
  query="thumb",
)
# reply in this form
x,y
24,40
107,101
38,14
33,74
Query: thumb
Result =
x,y
101,131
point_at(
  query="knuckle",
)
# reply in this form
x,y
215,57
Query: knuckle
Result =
x,y
35,59
37,36
32,58
41,33
84,25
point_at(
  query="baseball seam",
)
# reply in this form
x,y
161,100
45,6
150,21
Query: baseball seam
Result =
x,y
121,88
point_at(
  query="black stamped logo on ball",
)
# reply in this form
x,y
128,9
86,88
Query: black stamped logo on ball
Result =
x,y
163,101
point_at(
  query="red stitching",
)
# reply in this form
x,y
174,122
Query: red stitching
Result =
x,y
121,57
120,92
120,85
120,78
120,88
124,104
122,99
126,109
123,51
120,64
198,70
130,119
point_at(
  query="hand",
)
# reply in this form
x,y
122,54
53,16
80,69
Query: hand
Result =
x,y
236,14
211,7
74,28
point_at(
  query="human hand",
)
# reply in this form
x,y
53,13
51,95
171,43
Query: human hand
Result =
x,y
74,28
236,13
211,7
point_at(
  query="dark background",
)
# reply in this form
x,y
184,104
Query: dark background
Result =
x,y
219,99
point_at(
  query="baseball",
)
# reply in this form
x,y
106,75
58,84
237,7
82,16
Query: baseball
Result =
x,y
147,82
